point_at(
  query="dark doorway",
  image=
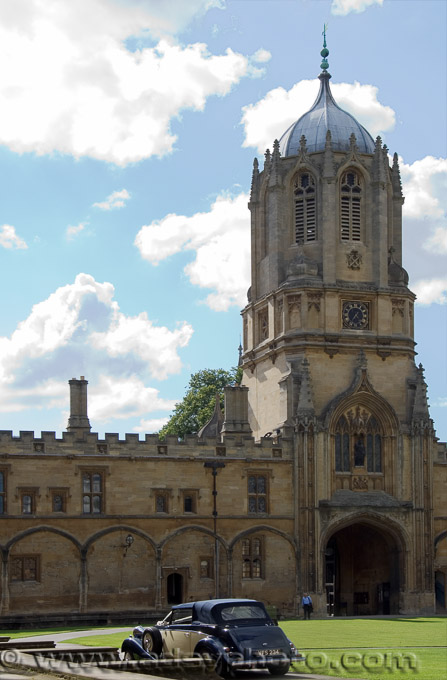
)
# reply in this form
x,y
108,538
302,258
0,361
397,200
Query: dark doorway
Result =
x,y
440,582
174,584
362,572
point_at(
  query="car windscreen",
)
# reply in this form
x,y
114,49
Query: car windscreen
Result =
x,y
237,614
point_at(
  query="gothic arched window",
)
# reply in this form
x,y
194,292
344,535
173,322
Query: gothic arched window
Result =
x,y
351,206
305,208
373,447
342,457
358,442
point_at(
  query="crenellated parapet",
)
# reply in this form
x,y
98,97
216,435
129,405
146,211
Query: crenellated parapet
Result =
x,y
236,444
441,453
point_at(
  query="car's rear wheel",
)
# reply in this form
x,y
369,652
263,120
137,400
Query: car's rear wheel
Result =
x,y
221,667
278,667
128,656
152,642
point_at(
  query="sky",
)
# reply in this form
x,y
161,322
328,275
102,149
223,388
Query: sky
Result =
x,y
128,130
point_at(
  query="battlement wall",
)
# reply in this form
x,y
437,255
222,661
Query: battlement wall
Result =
x,y
441,453
71,443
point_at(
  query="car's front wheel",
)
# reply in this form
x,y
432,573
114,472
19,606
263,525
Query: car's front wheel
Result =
x,y
278,667
152,641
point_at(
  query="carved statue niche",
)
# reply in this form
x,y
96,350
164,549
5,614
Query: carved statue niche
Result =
x,y
294,310
359,451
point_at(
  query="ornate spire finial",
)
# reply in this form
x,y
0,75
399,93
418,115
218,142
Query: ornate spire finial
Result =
x,y
324,52
254,181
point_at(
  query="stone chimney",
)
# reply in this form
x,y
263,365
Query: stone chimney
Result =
x,y
236,411
78,420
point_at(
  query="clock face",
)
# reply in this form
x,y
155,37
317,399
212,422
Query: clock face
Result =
x,y
355,314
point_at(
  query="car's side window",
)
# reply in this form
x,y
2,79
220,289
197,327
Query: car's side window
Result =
x,y
183,615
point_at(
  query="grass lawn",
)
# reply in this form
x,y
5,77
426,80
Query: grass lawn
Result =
x,y
372,648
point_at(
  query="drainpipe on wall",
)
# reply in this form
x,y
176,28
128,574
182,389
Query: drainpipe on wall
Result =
x,y
214,465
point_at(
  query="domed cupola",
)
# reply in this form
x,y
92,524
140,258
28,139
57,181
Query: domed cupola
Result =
x,y
325,115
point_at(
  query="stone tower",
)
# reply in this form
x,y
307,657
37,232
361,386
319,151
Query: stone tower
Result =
x,y
329,362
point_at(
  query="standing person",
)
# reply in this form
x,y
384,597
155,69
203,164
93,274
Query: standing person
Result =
x,y
307,605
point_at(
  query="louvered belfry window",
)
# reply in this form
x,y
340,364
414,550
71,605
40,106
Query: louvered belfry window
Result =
x,y
305,208
350,206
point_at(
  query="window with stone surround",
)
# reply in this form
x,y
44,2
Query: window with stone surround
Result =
x,y
161,502
3,476
24,568
358,442
92,492
206,567
305,208
58,499
258,494
252,558
28,500
351,206
189,500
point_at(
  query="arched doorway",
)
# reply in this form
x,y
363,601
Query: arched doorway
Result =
x,y
174,586
362,571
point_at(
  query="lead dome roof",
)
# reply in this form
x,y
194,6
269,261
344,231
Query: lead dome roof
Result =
x,y
324,115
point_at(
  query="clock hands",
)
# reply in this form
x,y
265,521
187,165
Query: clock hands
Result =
x,y
355,315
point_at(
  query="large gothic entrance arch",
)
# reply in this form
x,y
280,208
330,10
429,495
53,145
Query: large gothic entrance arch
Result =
x,y
363,571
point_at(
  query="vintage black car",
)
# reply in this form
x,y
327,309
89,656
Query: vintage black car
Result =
x,y
233,633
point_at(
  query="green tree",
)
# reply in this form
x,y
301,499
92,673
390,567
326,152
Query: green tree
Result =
x,y
197,406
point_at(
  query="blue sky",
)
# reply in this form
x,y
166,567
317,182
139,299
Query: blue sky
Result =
x,y
128,130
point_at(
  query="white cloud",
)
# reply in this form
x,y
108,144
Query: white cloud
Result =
x,y
117,199
425,187
155,345
343,7
270,117
221,241
80,329
47,394
73,230
151,425
262,56
115,398
9,238
431,291
437,243
71,83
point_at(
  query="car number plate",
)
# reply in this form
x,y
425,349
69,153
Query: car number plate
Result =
x,y
268,652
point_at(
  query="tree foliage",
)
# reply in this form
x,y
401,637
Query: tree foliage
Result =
x,y
197,406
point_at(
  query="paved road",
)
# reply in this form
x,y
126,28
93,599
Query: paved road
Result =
x,y
60,637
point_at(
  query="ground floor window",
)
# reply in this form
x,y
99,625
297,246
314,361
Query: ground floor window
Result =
x,y
252,562
206,567
25,568
2,492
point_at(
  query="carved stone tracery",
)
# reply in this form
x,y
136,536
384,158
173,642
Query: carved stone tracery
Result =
x,y
314,300
354,259
398,306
